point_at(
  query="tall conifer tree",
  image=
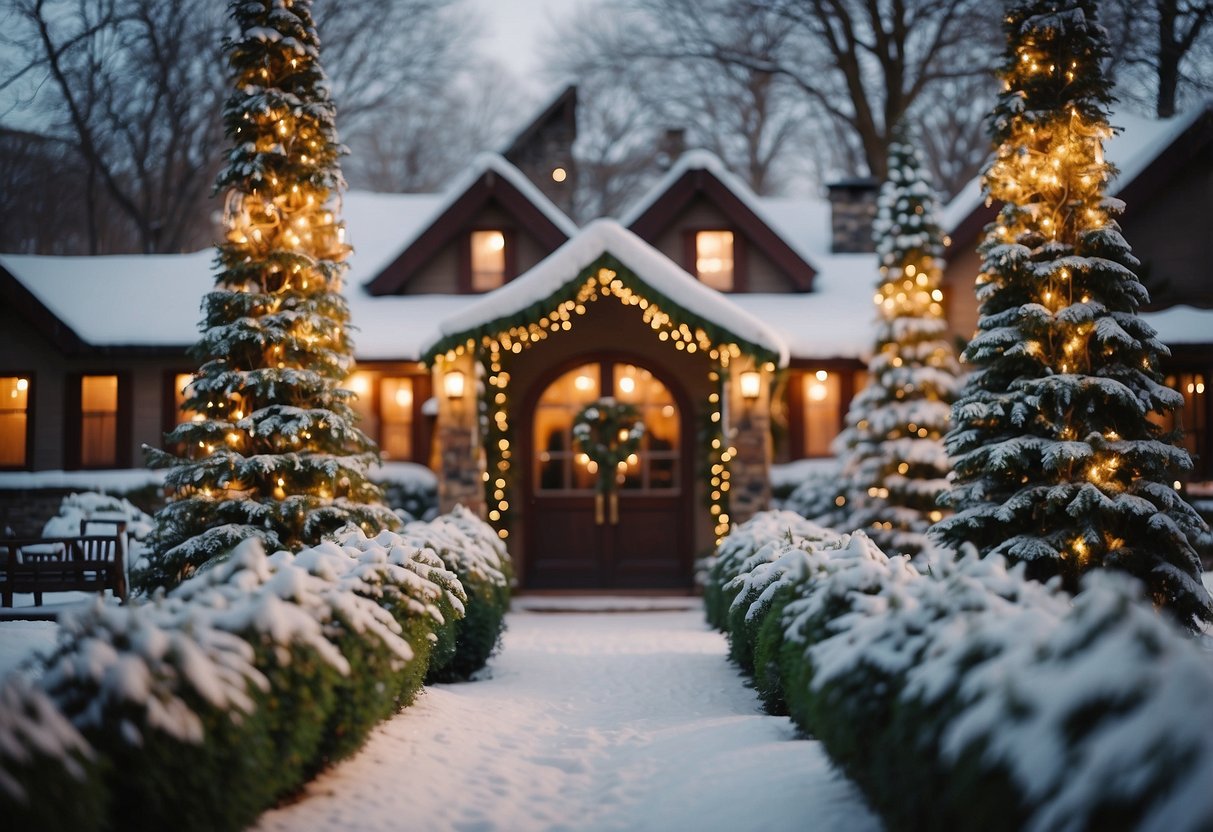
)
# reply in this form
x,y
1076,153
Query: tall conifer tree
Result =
x,y
274,451
1057,460
893,460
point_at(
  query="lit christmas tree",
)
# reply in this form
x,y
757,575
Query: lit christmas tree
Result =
x,y
274,452
1057,463
893,460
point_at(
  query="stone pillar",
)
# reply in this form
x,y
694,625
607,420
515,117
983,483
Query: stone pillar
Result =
x,y
852,210
460,458
750,436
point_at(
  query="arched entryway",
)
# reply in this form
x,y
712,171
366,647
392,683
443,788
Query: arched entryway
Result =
x,y
644,537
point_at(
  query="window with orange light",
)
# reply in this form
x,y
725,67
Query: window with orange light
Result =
x,y
714,259
181,381
14,421
363,384
822,411
1192,418
488,260
98,421
396,417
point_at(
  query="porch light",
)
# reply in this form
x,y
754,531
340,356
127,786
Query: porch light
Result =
x,y
453,384
751,385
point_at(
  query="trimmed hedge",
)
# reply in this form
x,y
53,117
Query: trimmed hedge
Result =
x,y
973,698
470,549
200,709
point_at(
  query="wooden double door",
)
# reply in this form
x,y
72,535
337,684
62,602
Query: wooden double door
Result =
x,y
637,536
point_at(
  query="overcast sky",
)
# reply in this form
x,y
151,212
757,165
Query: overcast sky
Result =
x,y
512,30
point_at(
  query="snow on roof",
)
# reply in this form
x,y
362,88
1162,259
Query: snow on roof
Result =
x,y
1182,324
121,300
779,215
606,236
836,320
482,164
1141,141
378,226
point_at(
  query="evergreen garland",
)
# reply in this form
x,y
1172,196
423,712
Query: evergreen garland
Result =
x,y
608,432
275,453
1057,462
893,462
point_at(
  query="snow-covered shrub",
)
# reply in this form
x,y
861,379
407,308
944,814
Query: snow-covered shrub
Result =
x,y
101,510
816,494
752,542
166,699
971,697
471,549
348,624
410,489
206,706
48,773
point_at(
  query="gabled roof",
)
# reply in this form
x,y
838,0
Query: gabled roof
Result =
x,y
1146,153
490,178
644,269
700,173
134,303
562,108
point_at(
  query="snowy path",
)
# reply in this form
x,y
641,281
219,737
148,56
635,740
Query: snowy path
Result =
x,y
619,721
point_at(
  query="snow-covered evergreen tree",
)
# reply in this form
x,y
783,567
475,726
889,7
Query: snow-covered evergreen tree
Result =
x,y
893,461
275,453
1056,461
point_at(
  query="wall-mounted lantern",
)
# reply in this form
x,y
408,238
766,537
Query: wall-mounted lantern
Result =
x,y
751,385
453,383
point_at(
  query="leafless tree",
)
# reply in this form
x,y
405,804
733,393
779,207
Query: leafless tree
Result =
x,y
1162,51
640,101
421,143
128,84
135,90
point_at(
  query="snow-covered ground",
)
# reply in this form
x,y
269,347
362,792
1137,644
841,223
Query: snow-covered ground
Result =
x,y
590,721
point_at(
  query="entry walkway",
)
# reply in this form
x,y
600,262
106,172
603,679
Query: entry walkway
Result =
x,y
623,720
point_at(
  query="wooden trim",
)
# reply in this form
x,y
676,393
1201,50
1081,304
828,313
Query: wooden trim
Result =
x,y
525,442
27,305
745,223
74,423
456,220
124,452
422,427
797,371
30,418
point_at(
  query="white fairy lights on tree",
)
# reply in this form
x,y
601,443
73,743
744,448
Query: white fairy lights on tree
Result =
x,y
1057,461
893,461
276,453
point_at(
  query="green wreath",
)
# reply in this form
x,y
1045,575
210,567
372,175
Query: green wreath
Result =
x,y
608,432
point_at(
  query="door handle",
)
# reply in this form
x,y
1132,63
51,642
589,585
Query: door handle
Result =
x,y
598,518
614,508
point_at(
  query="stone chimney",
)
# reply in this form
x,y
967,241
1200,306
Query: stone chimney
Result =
x,y
852,209
672,145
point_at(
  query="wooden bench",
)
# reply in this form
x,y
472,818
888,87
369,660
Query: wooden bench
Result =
x,y
88,563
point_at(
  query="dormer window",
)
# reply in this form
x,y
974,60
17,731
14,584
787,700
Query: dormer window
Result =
x,y
488,260
714,259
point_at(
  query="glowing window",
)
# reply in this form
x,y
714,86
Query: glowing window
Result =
x,y
99,421
822,411
1192,417
14,421
714,259
396,417
363,383
181,383
488,260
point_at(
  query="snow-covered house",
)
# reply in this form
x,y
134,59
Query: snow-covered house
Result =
x,y
737,325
